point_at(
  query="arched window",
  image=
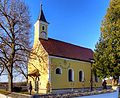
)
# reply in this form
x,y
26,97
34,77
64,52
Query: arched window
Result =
x,y
70,75
58,71
43,28
81,76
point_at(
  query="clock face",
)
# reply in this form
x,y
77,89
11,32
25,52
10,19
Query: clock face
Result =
x,y
43,34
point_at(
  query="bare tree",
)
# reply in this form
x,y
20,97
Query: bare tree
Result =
x,y
14,37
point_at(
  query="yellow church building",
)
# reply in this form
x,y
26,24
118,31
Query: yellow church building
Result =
x,y
57,66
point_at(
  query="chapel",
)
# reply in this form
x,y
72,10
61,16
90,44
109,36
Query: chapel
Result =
x,y
58,66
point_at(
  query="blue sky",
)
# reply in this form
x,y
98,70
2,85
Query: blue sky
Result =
x,y
74,21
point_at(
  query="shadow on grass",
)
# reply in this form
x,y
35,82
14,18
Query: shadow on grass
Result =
x,y
4,92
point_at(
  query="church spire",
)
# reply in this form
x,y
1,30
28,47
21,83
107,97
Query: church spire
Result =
x,y
41,27
41,15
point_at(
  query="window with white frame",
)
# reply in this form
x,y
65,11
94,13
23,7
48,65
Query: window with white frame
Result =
x,y
81,76
70,75
43,27
58,71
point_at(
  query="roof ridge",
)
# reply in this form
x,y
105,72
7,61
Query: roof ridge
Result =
x,y
64,49
70,44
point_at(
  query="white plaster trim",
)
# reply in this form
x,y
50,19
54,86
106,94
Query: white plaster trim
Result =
x,y
68,59
36,22
44,23
49,70
83,76
73,75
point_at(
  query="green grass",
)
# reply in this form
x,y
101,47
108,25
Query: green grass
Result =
x,y
7,92
4,92
28,93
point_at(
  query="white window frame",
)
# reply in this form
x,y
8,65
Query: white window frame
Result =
x,y
60,70
72,75
83,76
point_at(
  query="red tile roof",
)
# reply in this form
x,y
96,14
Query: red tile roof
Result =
x,y
66,50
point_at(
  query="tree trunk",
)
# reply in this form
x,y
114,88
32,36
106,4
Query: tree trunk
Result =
x,y
10,79
10,82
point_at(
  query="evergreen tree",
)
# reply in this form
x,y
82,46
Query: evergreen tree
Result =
x,y
107,52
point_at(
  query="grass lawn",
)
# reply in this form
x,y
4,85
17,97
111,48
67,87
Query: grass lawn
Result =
x,y
4,92
26,93
15,94
7,92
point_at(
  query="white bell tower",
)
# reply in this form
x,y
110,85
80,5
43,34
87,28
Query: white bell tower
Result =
x,y
41,27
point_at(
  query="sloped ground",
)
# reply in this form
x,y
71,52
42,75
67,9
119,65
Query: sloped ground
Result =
x,y
13,94
79,94
18,95
65,95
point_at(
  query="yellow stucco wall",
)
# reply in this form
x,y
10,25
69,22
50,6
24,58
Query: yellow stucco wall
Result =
x,y
39,60
60,81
